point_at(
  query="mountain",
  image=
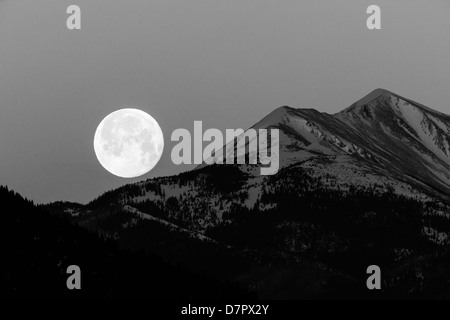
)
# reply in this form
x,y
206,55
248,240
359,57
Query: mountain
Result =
x,y
383,136
367,185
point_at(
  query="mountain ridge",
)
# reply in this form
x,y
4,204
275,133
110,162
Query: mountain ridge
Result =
x,y
379,119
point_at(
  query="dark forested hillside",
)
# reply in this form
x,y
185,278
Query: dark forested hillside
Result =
x,y
37,248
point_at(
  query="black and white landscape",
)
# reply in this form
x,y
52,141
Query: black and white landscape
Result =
x,y
369,185
112,112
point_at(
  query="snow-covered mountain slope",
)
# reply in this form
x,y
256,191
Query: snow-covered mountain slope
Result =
x,y
380,137
408,140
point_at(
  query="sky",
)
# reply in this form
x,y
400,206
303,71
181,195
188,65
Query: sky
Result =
x,y
225,62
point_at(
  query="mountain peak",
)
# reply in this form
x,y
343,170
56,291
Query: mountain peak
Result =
x,y
375,94
275,117
381,91
386,94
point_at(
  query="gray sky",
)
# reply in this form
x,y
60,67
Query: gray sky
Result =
x,y
226,62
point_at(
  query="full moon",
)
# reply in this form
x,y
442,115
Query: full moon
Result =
x,y
128,142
